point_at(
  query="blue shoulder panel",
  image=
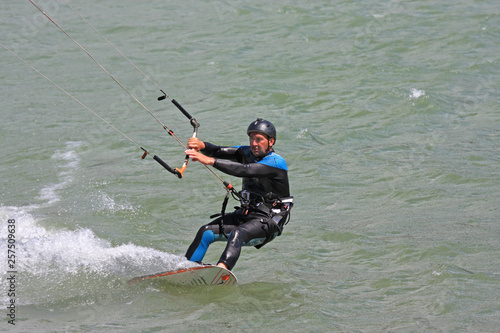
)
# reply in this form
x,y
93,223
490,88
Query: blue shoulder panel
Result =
x,y
274,160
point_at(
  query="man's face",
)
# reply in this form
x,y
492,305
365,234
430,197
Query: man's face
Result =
x,y
260,144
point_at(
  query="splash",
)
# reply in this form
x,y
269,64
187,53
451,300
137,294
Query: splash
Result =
x,y
70,160
104,202
416,93
57,264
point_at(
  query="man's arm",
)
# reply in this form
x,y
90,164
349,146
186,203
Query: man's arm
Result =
x,y
246,170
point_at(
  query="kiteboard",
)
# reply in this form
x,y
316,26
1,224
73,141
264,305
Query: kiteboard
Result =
x,y
207,275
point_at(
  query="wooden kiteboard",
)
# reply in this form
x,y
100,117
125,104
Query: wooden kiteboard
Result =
x,y
207,275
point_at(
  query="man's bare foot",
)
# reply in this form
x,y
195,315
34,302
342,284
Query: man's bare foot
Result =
x,y
221,264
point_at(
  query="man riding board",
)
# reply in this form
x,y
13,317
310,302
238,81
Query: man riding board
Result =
x,y
265,195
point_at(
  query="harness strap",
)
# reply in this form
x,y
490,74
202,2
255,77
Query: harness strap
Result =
x,y
278,215
222,213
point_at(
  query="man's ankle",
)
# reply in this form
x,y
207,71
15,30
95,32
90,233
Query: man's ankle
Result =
x,y
223,265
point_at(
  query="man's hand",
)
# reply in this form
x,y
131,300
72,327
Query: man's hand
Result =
x,y
197,156
196,144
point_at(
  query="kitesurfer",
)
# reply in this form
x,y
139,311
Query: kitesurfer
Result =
x,y
265,195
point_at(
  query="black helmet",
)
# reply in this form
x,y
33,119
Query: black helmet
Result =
x,y
262,126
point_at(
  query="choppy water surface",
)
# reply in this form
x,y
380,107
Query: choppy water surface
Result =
x,y
387,114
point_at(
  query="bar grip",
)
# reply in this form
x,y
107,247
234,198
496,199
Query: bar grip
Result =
x,y
165,165
182,109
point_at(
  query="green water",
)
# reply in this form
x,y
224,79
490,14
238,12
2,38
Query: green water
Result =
x,y
387,114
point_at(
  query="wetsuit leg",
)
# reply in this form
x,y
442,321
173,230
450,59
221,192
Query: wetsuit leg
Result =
x,y
254,228
208,234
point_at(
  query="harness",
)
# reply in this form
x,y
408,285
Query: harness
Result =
x,y
276,212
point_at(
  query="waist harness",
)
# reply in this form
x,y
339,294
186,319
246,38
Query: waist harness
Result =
x,y
276,212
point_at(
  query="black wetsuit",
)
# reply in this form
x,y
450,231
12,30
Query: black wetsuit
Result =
x,y
265,182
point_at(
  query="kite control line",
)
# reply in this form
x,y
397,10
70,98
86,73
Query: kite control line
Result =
x,y
169,131
176,171
146,152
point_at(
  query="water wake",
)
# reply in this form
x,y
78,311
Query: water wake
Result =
x,y
56,264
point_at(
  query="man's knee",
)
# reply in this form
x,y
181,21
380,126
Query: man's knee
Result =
x,y
203,231
236,238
